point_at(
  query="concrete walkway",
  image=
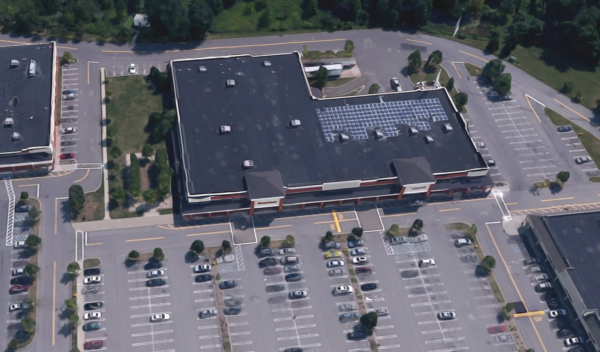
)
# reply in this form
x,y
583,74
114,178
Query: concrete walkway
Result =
x,y
104,147
125,223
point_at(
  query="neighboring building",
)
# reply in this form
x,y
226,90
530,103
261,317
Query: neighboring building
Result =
x,y
251,137
570,246
29,99
140,20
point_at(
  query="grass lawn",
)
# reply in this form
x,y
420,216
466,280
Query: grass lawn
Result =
x,y
429,75
473,70
165,211
132,101
93,207
91,263
129,22
339,82
590,143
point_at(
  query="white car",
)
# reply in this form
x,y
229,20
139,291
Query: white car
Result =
x,y
18,271
358,251
541,277
92,280
160,317
335,263
18,306
360,260
557,312
395,82
572,341
381,312
19,244
283,251
583,160
462,242
92,315
426,262
69,130
70,96
446,315
132,69
155,273
202,268
343,289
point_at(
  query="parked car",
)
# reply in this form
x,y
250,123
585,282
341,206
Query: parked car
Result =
x,y
293,277
18,271
355,243
25,208
69,130
132,69
93,345
368,287
541,277
424,263
18,306
91,272
92,280
497,329
398,240
207,313
492,93
565,128
275,288
535,269
358,251
266,252
543,287
227,284
333,254
293,349
572,341
446,315
381,312
93,305
357,335
335,263
491,162
331,245
337,272
155,282
583,160
19,288
292,268
23,280
19,244
462,242
70,96
297,294
91,326
479,145
347,307
557,313
531,261
232,310
155,273
347,317
360,260
203,278
284,251
160,317
289,260
69,91
564,333
394,82
92,315
505,97
363,270
267,262
272,270
342,289
202,268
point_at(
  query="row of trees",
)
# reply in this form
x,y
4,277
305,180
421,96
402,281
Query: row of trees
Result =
x,y
493,73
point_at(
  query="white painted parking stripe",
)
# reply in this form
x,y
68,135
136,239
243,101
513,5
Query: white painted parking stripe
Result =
x,y
151,343
509,119
450,339
239,333
388,347
146,288
152,333
428,303
70,69
539,167
515,124
141,271
484,297
208,337
384,327
524,142
594,169
209,346
425,295
521,136
488,306
238,324
204,299
150,305
440,330
296,327
297,318
203,291
95,338
208,327
147,314
517,130
137,280
424,285
386,337
296,337
577,150
455,349
147,297
567,138
241,343
496,174
289,309
147,324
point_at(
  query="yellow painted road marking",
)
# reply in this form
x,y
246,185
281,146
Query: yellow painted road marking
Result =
x,y
336,221
271,227
171,227
66,47
573,111
146,239
417,41
477,57
227,47
50,175
529,314
515,285
330,221
535,113
54,305
83,178
512,203
453,209
31,185
556,199
95,244
207,233
456,70
391,215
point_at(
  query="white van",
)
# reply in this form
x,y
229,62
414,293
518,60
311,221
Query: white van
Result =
x,y
32,66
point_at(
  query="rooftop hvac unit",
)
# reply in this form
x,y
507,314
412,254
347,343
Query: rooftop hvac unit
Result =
x,y
230,83
248,164
344,137
9,122
379,134
447,127
14,63
201,68
267,63
295,123
15,136
428,139
225,129
413,131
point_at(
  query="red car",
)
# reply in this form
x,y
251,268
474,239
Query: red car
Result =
x,y
67,156
93,345
496,329
19,288
363,270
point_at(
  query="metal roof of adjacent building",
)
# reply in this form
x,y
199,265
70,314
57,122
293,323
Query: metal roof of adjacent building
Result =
x,y
259,108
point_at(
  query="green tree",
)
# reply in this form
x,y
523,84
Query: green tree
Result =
x,y
563,176
115,152
73,319
76,196
492,70
374,88
473,229
357,231
250,8
289,242
320,77
311,8
567,87
135,182
265,241
267,18
13,344
71,304
169,18
197,247
226,246
394,230
133,255
421,11
414,61
201,17
475,6
24,196
489,262
164,172
150,195
328,236
494,42
503,84
34,214
28,324
369,321
119,193
158,254
73,268
164,126
67,58
417,226
32,269
147,151
216,6
450,84
33,241
121,11
460,100
509,307
435,58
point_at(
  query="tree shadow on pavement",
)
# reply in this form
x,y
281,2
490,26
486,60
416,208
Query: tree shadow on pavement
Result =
x,y
65,279
65,330
190,257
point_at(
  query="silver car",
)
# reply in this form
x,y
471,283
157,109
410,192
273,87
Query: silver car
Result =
x,y
291,268
347,307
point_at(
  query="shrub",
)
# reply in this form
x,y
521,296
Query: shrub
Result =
x,y
112,130
226,246
197,247
450,84
473,229
357,231
348,46
578,97
417,226
71,304
119,193
321,77
24,195
73,267
135,182
394,231
34,214
265,241
567,87
414,61
488,262
164,172
563,176
76,196
369,321
115,152
374,88
109,92
133,255
158,254
328,236
147,150
73,319
28,324
12,344
32,269
460,100
289,242
150,196
509,307
67,58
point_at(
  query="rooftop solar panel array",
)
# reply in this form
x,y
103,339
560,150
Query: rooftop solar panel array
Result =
x,y
356,120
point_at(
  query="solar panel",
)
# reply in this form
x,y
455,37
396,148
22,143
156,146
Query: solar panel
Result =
x,y
355,119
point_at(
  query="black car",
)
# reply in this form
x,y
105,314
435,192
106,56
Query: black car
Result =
x,y
564,333
152,264
565,128
227,284
531,261
294,349
92,305
357,335
275,288
21,280
23,208
368,287
293,277
355,243
266,252
232,310
267,262
203,278
91,272
155,282
272,271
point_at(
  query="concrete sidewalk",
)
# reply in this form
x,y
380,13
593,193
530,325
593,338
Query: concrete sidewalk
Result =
x,y
125,223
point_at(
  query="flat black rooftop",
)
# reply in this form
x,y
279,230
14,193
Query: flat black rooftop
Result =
x,y
22,96
259,109
577,238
